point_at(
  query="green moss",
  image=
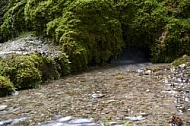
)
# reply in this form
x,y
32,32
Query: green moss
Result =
x,y
14,22
23,72
95,31
63,64
6,86
174,41
27,78
49,69
182,60
89,32
28,71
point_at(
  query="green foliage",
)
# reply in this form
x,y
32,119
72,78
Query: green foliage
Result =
x,y
63,64
22,72
155,25
49,68
28,71
141,21
95,31
178,8
39,12
89,32
6,86
174,41
13,20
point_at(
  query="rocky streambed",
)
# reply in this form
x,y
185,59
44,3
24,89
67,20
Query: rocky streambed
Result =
x,y
143,94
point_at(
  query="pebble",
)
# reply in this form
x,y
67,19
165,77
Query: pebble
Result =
x,y
134,95
97,95
64,119
137,118
179,86
3,107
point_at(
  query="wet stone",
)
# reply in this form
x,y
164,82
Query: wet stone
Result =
x,y
69,121
3,107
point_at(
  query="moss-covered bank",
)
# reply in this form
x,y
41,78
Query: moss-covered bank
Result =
x,y
93,32
29,71
98,30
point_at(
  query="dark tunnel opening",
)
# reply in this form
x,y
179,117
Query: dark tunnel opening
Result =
x,y
134,55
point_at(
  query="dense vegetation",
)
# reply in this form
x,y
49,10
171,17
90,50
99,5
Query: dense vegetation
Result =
x,y
93,32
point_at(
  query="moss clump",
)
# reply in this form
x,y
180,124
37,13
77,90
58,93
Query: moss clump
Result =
x,y
27,78
14,22
182,60
6,86
47,67
63,64
28,71
23,72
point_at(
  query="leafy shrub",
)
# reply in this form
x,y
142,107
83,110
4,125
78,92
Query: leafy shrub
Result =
x,y
6,86
38,13
141,21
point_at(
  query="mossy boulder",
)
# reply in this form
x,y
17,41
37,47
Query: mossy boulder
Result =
x,y
6,86
28,71
23,72
182,60
47,66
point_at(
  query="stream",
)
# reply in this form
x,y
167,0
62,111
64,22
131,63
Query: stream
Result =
x,y
128,90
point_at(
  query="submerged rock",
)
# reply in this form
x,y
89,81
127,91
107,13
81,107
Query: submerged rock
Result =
x,y
12,121
3,107
70,121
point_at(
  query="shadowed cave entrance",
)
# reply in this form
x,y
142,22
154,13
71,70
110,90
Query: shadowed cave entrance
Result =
x,y
133,55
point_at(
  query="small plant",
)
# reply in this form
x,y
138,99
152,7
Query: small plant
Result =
x,y
106,123
126,123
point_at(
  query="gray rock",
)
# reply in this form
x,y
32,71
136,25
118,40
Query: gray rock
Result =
x,y
137,118
3,107
16,121
64,119
97,95
78,121
5,122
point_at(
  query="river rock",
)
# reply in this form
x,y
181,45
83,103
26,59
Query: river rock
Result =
x,y
137,118
3,107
